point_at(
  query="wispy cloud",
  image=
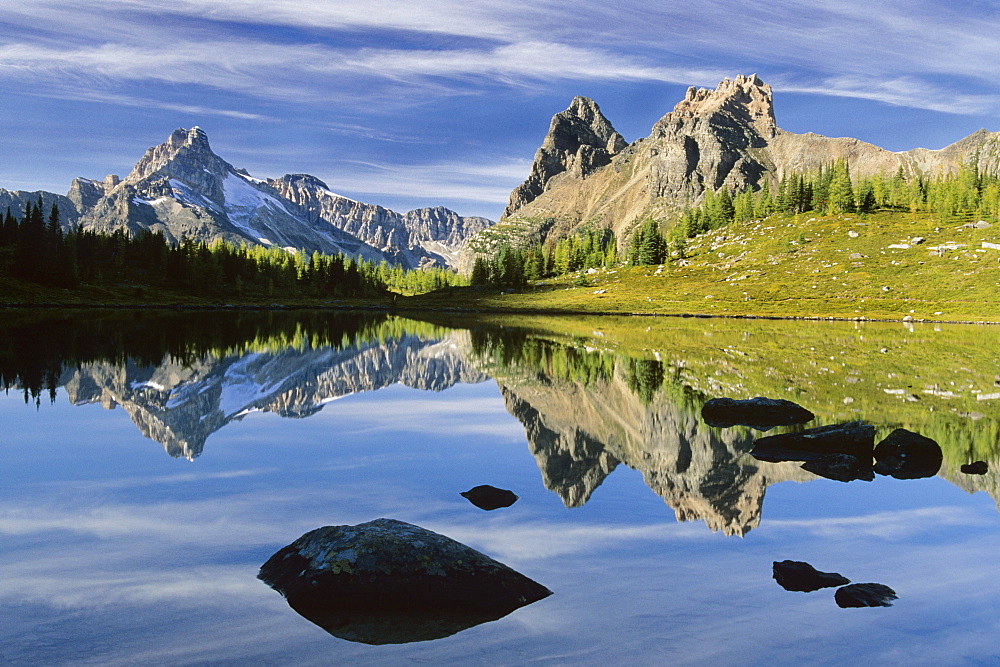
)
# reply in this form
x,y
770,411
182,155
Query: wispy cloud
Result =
x,y
489,182
889,52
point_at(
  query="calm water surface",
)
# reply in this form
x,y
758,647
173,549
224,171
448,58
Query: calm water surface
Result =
x,y
149,466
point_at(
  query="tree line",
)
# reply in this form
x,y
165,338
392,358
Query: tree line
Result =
x,y
35,248
830,190
513,266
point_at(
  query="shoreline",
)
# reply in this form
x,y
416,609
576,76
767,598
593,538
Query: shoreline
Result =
x,y
459,310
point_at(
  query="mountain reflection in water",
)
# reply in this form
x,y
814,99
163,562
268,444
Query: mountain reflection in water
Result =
x,y
588,403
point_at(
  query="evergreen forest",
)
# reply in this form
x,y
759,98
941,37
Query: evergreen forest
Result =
x,y
35,248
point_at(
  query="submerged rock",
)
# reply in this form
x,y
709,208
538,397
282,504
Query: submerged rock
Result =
x,y
865,595
488,498
841,467
975,468
793,575
390,582
907,455
854,438
760,413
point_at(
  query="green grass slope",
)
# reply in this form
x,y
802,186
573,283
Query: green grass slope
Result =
x,y
883,266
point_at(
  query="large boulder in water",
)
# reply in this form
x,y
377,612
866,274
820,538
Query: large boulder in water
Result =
x,y
760,413
794,575
390,582
854,438
907,455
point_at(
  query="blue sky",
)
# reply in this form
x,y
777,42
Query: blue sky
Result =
x,y
410,103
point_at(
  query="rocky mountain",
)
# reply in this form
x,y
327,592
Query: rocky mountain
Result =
x,y
17,200
181,404
722,138
580,141
423,237
182,189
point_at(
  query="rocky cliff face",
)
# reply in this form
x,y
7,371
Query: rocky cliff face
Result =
x,y
17,200
580,141
181,405
722,138
423,237
578,434
182,189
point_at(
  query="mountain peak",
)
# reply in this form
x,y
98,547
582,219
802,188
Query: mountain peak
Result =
x,y
580,141
303,181
186,154
745,98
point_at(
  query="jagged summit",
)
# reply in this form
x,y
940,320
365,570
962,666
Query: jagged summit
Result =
x,y
184,147
304,180
183,190
745,98
726,138
580,140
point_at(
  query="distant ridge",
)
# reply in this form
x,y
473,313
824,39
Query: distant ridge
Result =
x,y
182,189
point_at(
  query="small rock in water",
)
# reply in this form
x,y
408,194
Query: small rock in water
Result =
x,y
793,575
907,455
488,498
975,468
865,595
841,468
760,413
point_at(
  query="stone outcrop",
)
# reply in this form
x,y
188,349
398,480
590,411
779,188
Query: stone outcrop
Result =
x,y
865,595
795,575
580,141
760,413
722,138
489,498
907,455
855,439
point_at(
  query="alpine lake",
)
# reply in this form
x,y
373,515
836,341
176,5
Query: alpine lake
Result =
x,y
152,462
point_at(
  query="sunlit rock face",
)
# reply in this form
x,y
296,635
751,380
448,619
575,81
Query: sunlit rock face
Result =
x,y
182,189
580,140
180,404
390,582
722,138
578,434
